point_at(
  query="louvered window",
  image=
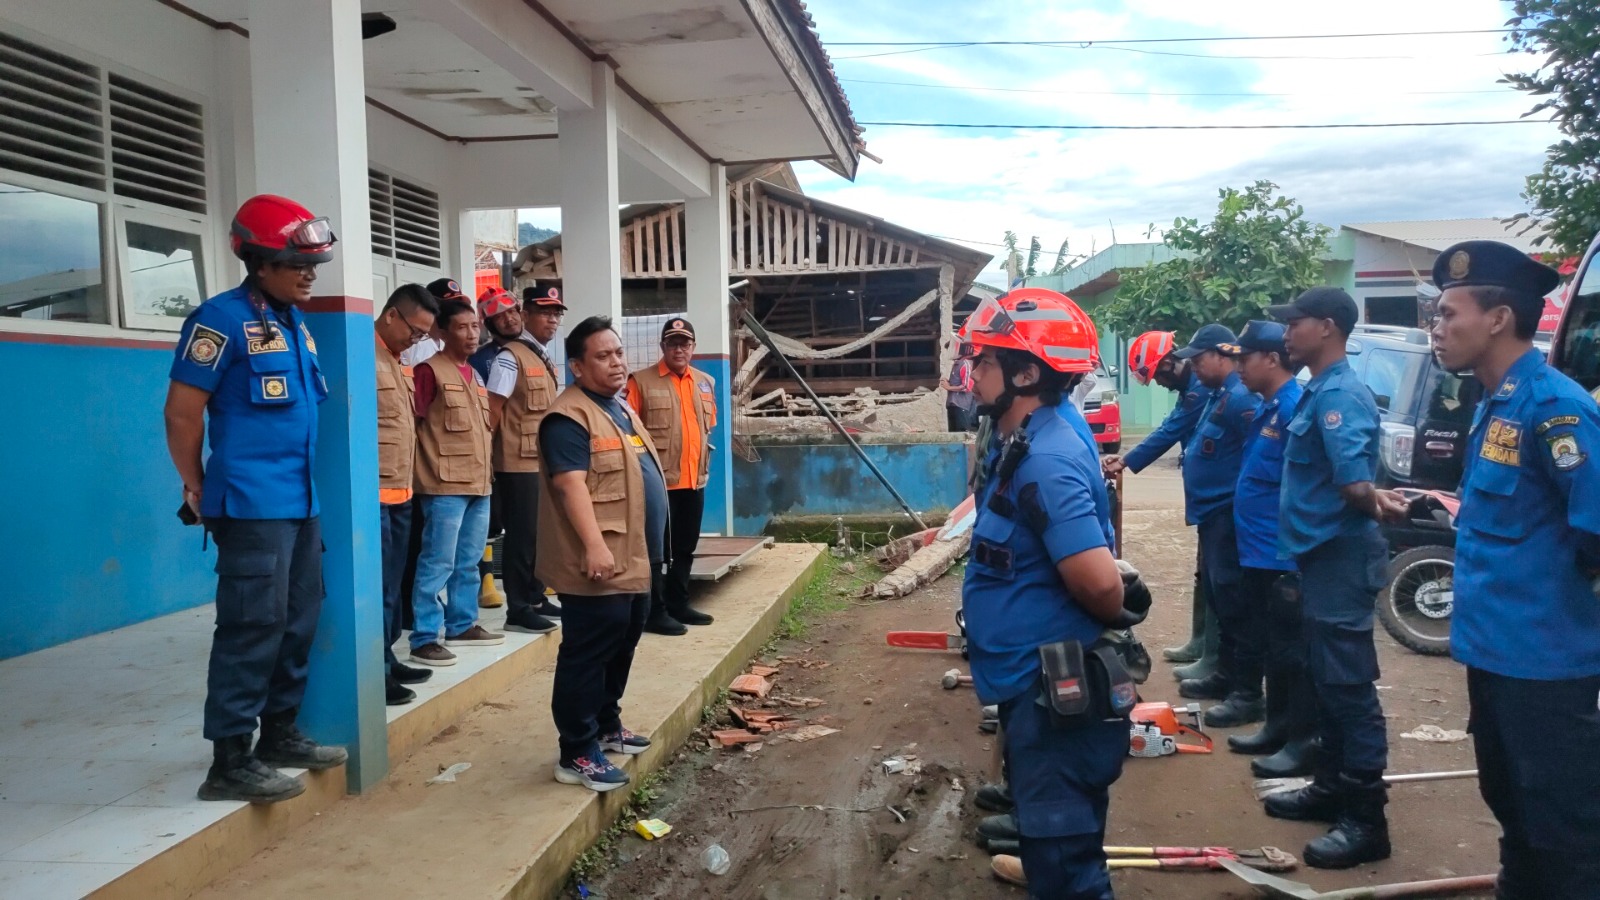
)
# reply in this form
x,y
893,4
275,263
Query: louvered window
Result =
x,y
405,220
73,122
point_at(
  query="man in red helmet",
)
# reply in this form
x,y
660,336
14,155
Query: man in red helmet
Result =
x,y
246,358
1041,587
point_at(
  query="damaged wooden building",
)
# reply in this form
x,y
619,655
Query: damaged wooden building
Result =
x,y
862,307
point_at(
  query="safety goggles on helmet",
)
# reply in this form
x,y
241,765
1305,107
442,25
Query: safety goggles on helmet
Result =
x,y
495,301
313,236
1147,351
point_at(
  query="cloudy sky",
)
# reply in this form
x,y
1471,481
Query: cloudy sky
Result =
x,y
1079,185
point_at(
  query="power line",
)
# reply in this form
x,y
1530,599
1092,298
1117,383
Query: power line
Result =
x,y
1089,45
1168,40
974,87
1194,127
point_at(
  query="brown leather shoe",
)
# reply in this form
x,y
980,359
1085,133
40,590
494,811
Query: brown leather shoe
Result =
x,y
1009,870
477,635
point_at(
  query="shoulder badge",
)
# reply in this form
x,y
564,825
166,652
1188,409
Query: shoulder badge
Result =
x,y
1507,388
205,346
1555,422
1332,419
1564,452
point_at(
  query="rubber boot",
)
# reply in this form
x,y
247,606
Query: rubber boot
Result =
x,y
489,596
688,615
661,621
283,745
1215,686
1361,834
1298,754
1242,707
1319,801
1271,737
1191,649
1207,664
237,775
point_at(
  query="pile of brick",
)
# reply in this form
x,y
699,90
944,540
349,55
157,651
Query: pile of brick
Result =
x,y
761,714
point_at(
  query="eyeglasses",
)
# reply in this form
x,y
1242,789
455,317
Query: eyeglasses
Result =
x,y
305,269
417,334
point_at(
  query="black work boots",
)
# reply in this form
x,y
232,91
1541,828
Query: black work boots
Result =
x,y
283,745
1241,708
237,775
1361,834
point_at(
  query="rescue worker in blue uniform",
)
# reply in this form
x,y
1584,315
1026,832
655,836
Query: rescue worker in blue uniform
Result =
x,y
246,360
1211,462
1151,358
1526,621
1328,514
1041,586
1267,640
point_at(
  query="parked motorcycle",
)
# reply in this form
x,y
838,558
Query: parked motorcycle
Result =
x,y
1416,604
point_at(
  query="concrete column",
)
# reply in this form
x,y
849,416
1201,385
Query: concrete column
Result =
x,y
310,134
706,237
591,247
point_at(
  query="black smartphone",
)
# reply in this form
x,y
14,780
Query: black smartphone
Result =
x,y
186,514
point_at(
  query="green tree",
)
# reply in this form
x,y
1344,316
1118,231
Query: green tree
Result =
x,y
1565,194
1259,250
1019,267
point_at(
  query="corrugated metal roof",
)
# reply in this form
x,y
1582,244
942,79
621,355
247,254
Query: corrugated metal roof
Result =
x,y
1437,234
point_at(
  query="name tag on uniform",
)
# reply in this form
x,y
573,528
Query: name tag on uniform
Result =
x,y
1271,433
258,341
598,444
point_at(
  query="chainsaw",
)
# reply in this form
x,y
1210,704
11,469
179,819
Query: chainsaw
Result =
x,y
1154,730
933,640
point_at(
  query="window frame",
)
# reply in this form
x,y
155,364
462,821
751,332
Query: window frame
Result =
x,y
197,226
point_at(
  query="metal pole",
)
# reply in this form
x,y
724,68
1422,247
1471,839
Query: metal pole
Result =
x,y
761,334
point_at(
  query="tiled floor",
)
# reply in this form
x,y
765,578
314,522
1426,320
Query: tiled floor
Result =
x,y
101,752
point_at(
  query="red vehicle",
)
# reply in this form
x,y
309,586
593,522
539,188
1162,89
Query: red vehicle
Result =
x,y
1103,411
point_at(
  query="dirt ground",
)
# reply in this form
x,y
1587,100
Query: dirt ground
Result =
x,y
888,702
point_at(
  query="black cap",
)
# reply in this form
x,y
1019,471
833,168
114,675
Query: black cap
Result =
x,y
1320,303
543,299
1258,336
447,289
1209,337
1493,264
678,325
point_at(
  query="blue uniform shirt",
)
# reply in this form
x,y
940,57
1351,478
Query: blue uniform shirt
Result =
x,y
262,414
1215,451
1528,528
1102,500
1013,597
1174,429
1333,442
1255,503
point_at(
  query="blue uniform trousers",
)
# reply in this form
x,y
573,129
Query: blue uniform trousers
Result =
x,y
1061,781
1538,773
394,523
1219,566
1339,582
269,595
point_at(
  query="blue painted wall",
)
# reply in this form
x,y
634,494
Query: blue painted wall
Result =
x,y
815,475
715,519
89,533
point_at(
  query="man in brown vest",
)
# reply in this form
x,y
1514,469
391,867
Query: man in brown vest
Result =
x,y
406,318
679,406
522,385
453,476
602,530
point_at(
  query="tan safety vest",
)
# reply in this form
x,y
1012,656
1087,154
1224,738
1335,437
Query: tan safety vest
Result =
x,y
616,488
397,427
453,441
516,446
664,417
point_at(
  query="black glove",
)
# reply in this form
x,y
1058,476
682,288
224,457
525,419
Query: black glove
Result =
x,y
1136,597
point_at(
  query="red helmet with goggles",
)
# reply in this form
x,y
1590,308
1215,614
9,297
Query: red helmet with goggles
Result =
x,y
494,301
278,230
1147,351
1037,321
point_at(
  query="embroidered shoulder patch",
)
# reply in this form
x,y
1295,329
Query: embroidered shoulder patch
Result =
x,y
1332,419
1555,422
205,346
1564,452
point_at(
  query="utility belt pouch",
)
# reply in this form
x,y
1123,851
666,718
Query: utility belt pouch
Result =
x,y
1117,693
1067,688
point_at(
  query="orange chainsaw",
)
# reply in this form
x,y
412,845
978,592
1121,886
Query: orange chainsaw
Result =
x,y
1154,730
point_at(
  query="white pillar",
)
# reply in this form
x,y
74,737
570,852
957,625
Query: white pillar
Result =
x,y
706,227
591,249
308,107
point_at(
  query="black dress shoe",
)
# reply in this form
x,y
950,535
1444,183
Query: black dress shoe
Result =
x,y
397,694
994,798
999,828
405,674
688,615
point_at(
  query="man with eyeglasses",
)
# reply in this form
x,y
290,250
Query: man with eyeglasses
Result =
x,y
247,361
522,384
406,319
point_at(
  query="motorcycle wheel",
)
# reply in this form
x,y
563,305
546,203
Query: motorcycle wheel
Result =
x,y
1416,605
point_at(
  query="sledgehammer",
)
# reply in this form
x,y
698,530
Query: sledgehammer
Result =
x,y
954,679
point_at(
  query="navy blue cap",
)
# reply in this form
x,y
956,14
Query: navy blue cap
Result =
x,y
1493,264
1209,337
1320,303
1260,336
